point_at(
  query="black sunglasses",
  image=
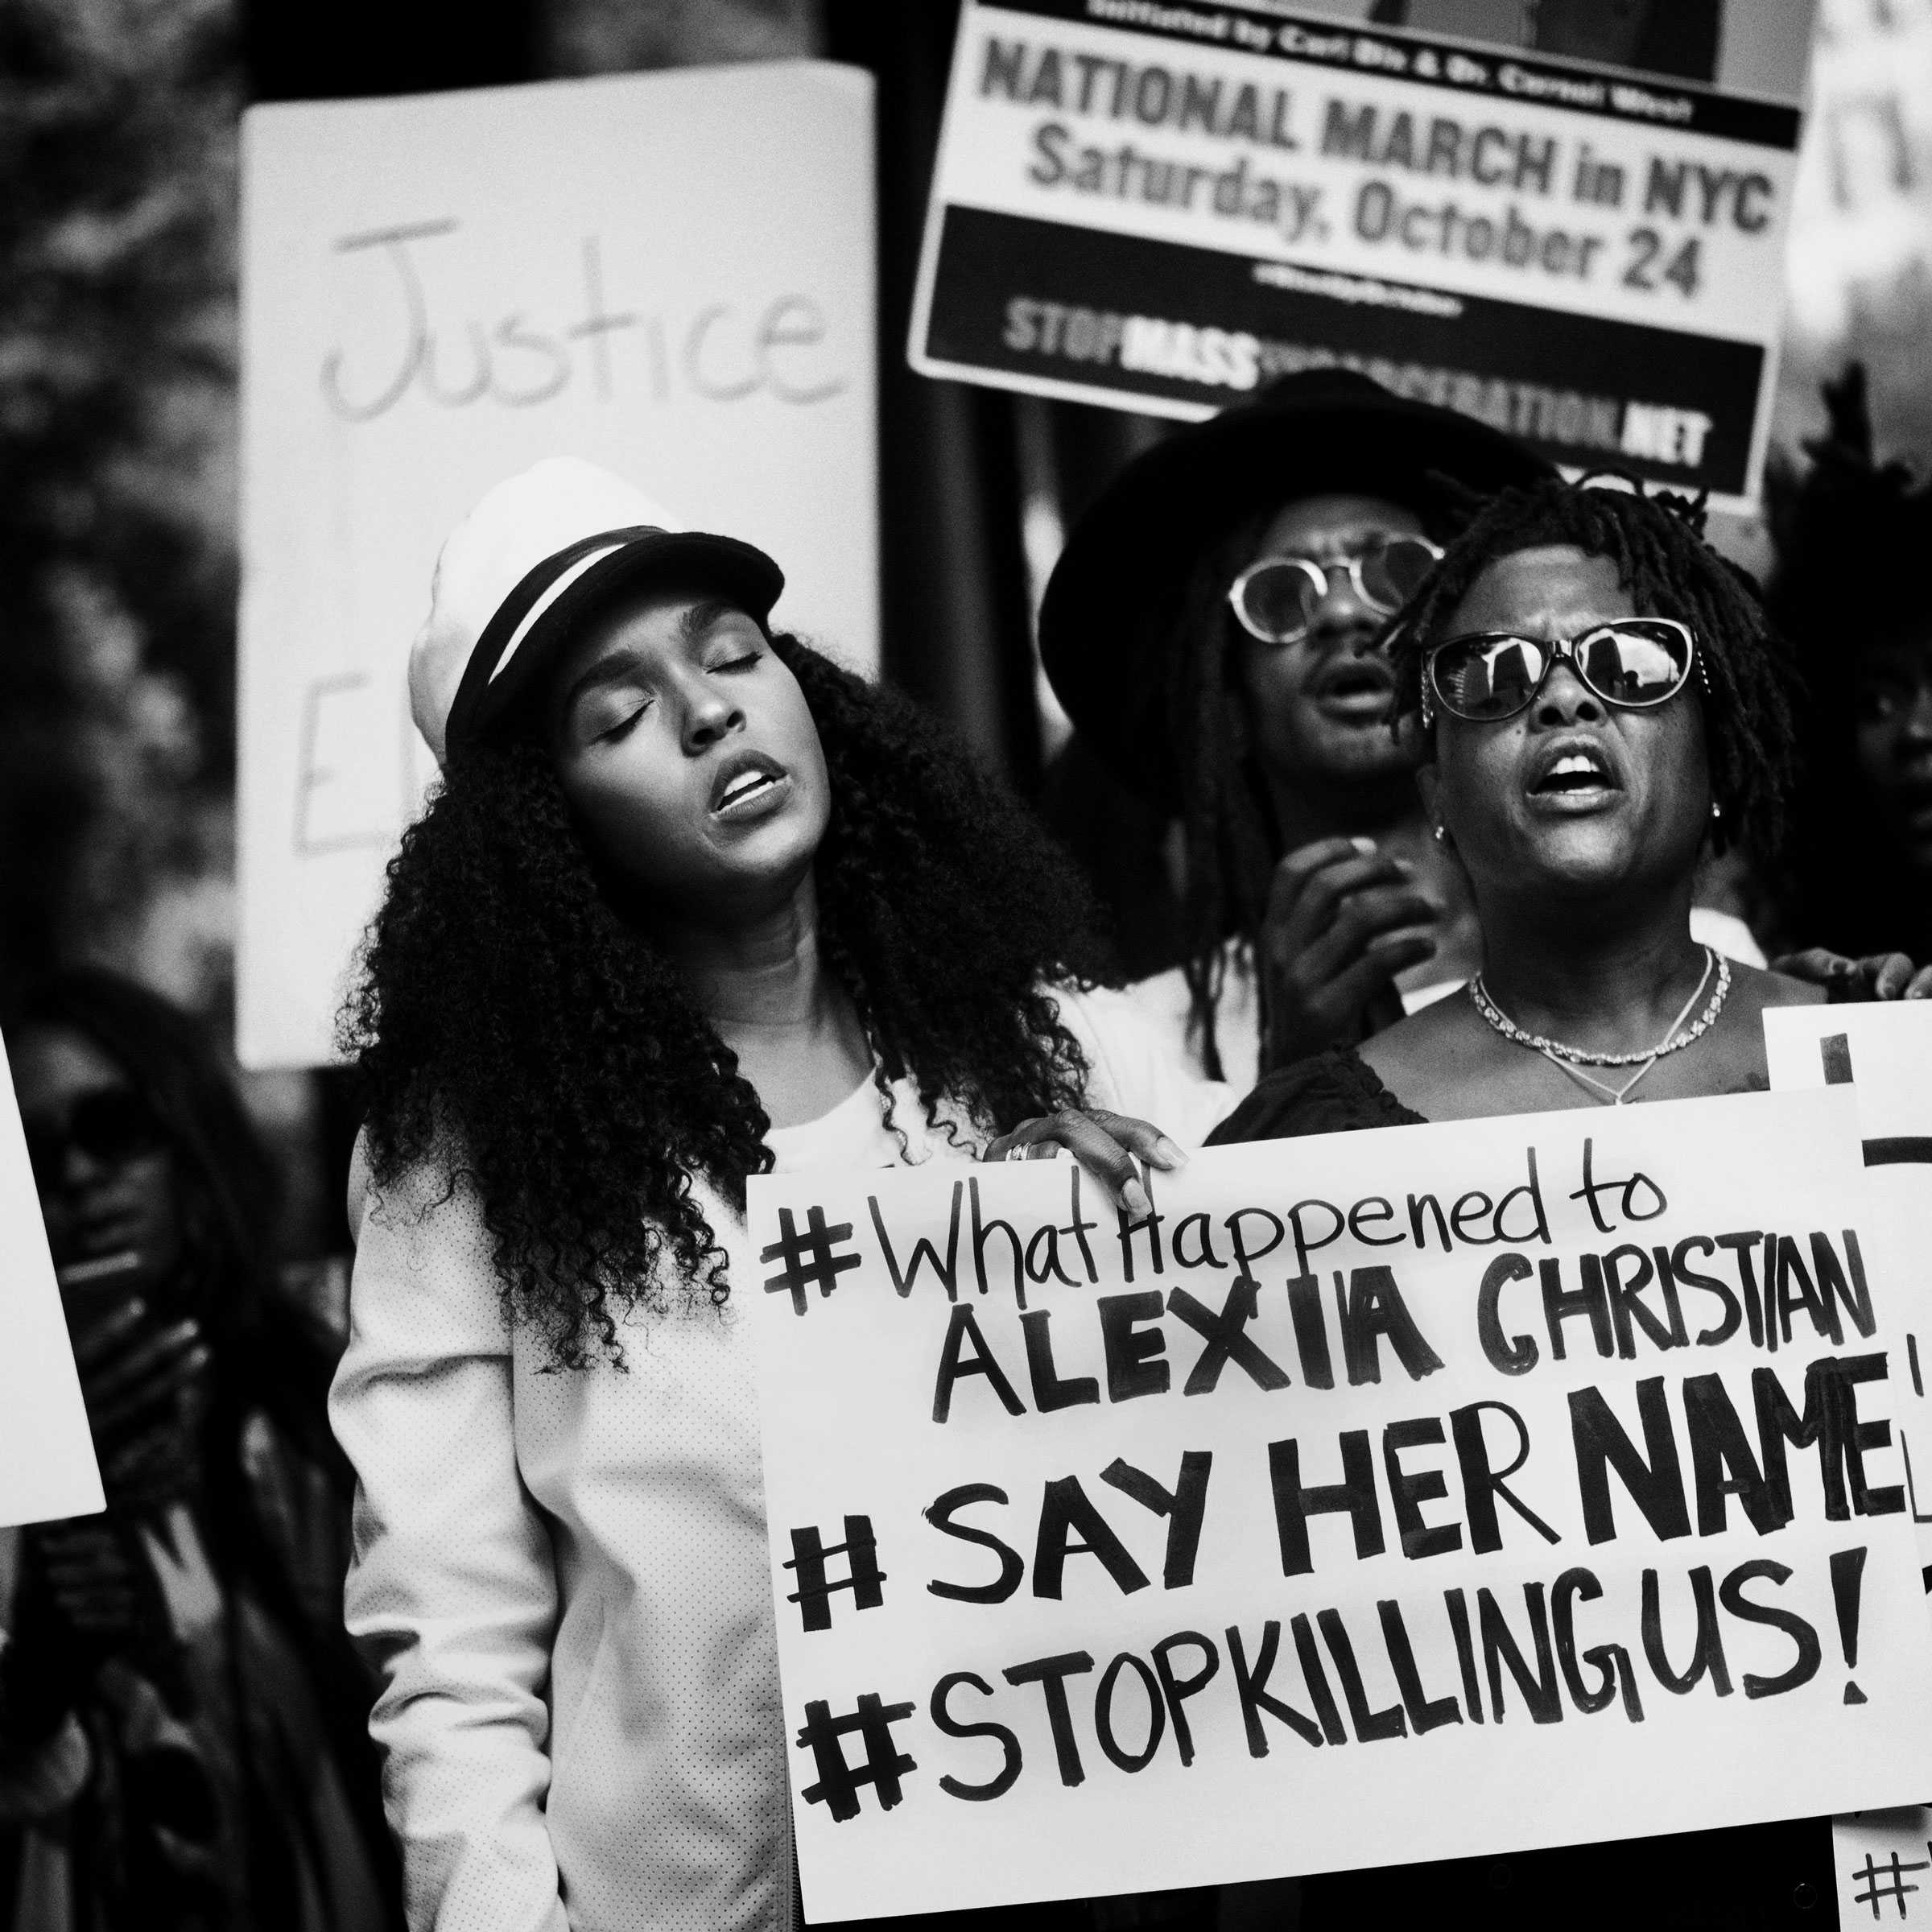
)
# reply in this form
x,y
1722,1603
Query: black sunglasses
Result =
x,y
112,1126
1635,662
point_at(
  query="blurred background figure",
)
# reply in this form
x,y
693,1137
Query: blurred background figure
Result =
x,y
1850,590
182,1722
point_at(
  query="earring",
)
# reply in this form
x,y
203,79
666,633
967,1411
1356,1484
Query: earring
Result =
x,y
1442,834
1717,811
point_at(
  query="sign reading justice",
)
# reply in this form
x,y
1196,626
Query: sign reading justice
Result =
x,y
670,275
1550,1459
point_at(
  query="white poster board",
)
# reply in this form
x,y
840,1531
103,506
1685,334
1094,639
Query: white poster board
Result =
x,y
670,274
1116,1557
1883,1050
1503,209
47,1470
1883,1862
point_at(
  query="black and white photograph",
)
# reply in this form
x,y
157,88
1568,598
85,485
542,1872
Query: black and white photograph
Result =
x,y
966,966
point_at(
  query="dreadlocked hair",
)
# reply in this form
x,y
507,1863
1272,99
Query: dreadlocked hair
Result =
x,y
1227,827
517,1030
1656,541
1229,837
1846,504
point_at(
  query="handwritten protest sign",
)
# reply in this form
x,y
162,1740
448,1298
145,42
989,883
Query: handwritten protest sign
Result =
x,y
1883,1862
1543,1461
46,1455
670,274
1884,1052
1162,206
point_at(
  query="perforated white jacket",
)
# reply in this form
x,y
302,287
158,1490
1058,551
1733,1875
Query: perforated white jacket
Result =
x,y
562,1576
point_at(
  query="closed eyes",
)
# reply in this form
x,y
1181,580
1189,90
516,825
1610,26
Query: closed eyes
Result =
x,y
608,715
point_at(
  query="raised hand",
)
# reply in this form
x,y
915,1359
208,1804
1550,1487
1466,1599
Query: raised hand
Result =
x,y
1342,920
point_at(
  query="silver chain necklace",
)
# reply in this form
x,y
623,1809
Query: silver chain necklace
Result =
x,y
1571,1060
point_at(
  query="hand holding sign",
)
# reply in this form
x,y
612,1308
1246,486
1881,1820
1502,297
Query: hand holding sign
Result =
x,y
1881,975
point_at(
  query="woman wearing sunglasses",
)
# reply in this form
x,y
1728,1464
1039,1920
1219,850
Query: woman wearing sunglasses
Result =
x,y
180,1738
1601,701
1213,628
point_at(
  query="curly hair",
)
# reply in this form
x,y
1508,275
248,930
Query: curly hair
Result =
x,y
1655,539
515,1021
1847,504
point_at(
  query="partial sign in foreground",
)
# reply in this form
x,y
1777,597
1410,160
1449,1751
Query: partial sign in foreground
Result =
x,y
1557,220
1387,1496
47,1453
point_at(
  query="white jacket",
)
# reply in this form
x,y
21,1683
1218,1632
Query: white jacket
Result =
x,y
562,1576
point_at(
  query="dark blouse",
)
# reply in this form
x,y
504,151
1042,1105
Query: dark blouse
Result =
x,y
1331,1093
1753,1877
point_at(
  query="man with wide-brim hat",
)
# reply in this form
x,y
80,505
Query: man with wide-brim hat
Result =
x,y
1212,628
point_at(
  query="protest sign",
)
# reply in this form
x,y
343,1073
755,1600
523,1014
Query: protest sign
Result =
x,y
1162,207
46,1453
1542,1461
670,275
1884,1866
1883,1050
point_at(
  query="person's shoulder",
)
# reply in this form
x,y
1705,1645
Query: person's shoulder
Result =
x,y
1428,1057
1758,987
1139,1064
359,1181
1105,1019
1417,1041
1330,1092
436,1187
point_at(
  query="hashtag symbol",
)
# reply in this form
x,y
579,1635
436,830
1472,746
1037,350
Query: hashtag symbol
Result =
x,y
1883,1882
814,1594
806,1260
883,1767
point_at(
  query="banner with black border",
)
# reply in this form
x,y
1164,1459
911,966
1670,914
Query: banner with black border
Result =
x,y
1203,198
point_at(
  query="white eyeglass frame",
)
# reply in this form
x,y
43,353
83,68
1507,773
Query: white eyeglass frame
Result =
x,y
1317,574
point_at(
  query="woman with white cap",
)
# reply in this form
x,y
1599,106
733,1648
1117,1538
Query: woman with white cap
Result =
x,y
691,902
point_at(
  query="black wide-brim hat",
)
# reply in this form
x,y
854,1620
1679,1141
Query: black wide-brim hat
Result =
x,y
1109,619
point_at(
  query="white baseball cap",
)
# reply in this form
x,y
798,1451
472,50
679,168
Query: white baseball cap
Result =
x,y
536,555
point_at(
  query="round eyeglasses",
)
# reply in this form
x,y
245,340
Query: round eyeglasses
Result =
x,y
1276,597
